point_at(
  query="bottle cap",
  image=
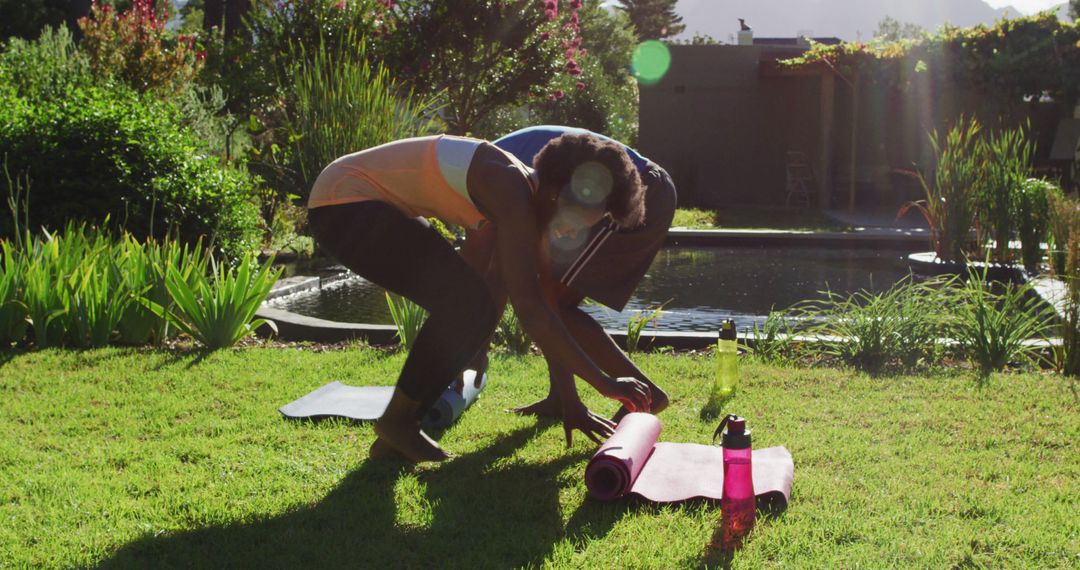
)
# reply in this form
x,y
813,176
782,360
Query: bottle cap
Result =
x,y
736,436
727,330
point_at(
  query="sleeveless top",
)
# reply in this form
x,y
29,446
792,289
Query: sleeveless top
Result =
x,y
424,176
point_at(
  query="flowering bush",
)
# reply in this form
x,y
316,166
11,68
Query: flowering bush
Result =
x,y
135,48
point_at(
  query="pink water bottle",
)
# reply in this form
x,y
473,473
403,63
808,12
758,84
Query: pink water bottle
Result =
x,y
737,506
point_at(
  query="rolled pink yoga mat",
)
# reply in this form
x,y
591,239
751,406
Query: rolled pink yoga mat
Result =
x,y
632,461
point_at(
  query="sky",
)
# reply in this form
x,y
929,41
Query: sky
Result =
x,y
1026,6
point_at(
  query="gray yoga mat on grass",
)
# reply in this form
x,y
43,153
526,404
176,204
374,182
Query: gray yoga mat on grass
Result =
x,y
367,403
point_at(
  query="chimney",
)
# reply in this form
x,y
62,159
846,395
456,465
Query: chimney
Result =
x,y
746,37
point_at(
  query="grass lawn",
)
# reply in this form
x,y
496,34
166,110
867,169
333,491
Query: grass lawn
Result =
x,y
757,218
137,458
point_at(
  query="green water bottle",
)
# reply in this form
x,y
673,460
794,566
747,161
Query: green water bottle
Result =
x,y
727,369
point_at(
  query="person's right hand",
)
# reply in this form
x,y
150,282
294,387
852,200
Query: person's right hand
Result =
x,y
630,392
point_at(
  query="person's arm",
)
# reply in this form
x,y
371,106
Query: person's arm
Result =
x,y
516,246
599,346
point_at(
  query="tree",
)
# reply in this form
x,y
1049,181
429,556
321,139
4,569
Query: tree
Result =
x,y
653,19
892,30
1074,9
483,54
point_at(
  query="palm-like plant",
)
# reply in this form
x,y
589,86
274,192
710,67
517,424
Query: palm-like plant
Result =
x,y
218,312
408,316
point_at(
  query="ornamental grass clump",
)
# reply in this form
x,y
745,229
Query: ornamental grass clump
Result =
x,y
899,327
637,323
774,340
994,324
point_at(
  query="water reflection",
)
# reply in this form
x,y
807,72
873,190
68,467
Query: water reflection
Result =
x,y
704,284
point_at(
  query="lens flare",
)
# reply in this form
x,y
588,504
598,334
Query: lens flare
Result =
x,y
650,61
590,184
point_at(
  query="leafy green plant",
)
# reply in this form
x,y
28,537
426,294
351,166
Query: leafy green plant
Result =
x,y
638,322
45,68
951,186
1006,166
993,329
1032,219
408,316
218,311
127,158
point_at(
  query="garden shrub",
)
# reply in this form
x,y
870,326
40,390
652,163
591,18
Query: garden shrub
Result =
x,y
134,47
108,153
45,68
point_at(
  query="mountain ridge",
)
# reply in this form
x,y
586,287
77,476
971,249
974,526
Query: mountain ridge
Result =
x,y
846,19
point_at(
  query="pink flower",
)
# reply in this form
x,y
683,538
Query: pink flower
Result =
x,y
580,85
570,53
576,42
575,4
544,36
559,94
340,5
575,72
583,52
551,4
551,14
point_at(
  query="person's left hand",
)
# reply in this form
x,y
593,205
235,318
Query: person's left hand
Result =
x,y
581,418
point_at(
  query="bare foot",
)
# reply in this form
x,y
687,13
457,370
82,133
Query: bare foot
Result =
x,y
381,450
548,408
408,440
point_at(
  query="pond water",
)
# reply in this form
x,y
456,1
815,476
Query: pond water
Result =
x,y
700,285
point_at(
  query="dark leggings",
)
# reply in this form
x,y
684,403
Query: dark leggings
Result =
x,y
407,256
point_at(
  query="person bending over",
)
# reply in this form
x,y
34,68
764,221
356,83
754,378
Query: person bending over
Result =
x,y
605,264
368,209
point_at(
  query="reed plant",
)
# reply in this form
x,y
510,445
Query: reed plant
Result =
x,y
1063,221
1033,219
510,334
408,317
1006,164
995,323
951,186
218,310
341,103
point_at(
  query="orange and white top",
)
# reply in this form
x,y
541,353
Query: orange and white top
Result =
x,y
423,176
